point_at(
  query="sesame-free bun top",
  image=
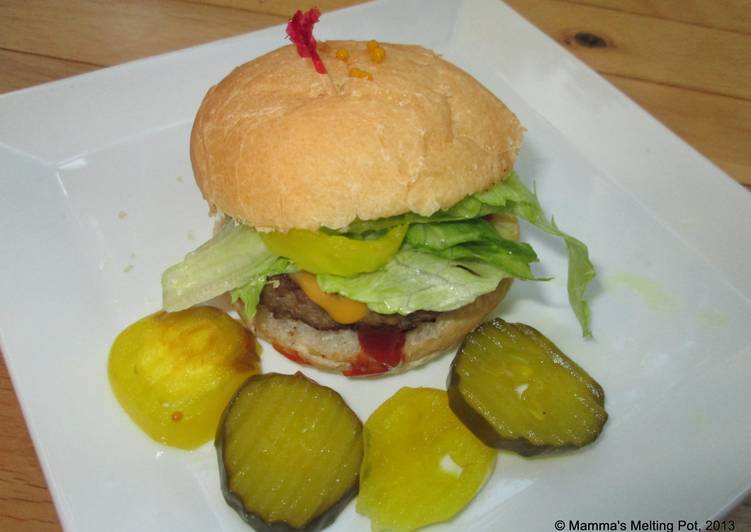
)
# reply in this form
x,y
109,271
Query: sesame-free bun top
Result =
x,y
278,146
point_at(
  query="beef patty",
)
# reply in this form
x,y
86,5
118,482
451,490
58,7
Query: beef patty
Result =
x,y
284,298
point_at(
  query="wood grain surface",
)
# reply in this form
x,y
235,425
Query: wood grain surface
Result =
x,y
694,77
688,62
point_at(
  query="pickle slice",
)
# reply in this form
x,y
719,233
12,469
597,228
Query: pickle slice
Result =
x,y
421,464
173,372
516,390
289,453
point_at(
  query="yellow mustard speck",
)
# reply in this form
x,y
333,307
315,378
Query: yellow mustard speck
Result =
x,y
377,55
376,51
342,54
359,73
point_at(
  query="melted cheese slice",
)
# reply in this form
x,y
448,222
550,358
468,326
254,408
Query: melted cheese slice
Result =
x,y
341,309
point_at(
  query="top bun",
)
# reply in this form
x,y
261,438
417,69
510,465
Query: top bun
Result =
x,y
278,146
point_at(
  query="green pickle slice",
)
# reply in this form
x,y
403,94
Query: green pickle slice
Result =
x,y
516,390
421,464
289,453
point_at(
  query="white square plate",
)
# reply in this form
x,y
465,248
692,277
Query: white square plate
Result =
x,y
97,198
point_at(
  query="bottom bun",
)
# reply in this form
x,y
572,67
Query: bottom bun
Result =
x,y
339,350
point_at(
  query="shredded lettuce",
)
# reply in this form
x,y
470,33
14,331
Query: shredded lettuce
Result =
x,y
414,280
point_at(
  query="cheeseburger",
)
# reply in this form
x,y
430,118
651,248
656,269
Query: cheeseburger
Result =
x,y
367,214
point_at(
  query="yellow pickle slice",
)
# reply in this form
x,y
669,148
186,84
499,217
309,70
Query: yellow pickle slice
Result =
x,y
174,372
421,464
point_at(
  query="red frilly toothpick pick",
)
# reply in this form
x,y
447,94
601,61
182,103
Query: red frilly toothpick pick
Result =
x,y
300,32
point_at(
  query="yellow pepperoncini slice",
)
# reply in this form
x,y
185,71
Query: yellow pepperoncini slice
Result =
x,y
174,372
318,252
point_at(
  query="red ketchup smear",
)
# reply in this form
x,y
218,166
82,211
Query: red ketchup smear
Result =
x,y
300,32
381,351
294,356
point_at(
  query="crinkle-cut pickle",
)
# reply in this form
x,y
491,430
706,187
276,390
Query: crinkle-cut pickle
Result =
x,y
289,453
173,372
421,465
516,390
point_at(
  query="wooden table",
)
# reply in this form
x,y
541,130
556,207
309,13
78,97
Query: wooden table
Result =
x,y
688,62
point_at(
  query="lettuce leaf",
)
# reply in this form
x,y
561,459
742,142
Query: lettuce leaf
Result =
x,y
509,196
581,272
250,292
491,201
234,257
473,239
414,280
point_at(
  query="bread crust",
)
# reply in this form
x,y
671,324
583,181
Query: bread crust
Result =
x,y
338,350
277,146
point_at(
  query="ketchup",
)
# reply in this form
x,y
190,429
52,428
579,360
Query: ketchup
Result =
x,y
294,356
381,351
